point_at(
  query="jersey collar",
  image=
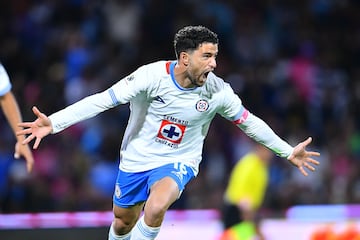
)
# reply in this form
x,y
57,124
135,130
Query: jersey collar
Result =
x,y
171,71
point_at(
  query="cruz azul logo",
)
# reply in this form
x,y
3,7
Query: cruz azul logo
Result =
x,y
202,105
171,132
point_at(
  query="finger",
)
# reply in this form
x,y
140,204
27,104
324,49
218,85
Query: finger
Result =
x,y
24,132
28,139
37,142
313,161
16,155
302,170
37,112
25,124
314,154
29,165
308,166
307,141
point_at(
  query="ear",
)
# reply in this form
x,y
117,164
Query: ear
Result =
x,y
184,58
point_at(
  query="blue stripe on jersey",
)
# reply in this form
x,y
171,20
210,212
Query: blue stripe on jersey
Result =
x,y
113,97
172,66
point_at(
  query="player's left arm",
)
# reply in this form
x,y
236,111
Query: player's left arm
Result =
x,y
233,109
261,132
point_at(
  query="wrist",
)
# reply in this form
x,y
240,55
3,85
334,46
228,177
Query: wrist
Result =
x,y
290,154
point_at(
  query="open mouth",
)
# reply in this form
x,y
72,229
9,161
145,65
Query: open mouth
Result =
x,y
206,74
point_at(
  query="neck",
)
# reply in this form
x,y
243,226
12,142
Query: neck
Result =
x,y
182,76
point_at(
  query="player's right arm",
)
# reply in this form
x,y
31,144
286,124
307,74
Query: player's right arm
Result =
x,y
84,109
121,92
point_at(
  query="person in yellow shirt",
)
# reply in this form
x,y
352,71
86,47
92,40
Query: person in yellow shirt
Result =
x,y
244,195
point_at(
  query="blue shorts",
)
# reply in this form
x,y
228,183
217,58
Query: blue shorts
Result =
x,y
133,188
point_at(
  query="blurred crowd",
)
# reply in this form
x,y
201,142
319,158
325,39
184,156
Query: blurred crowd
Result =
x,y
295,64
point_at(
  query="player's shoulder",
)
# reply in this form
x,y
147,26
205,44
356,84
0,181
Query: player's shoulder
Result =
x,y
160,67
215,84
150,75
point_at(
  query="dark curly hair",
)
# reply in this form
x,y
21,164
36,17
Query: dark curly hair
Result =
x,y
189,38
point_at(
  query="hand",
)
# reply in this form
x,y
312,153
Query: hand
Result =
x,y
24,150
38,129
301,158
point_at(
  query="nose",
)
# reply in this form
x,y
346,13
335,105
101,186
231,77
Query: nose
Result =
x,y
212,63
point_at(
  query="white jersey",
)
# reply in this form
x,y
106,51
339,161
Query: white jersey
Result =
x,y
5,85
168,123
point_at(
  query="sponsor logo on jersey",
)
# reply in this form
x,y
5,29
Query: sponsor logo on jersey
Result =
x,y
202,105
170,133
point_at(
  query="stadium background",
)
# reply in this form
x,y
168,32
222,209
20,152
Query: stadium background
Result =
x,y
293,63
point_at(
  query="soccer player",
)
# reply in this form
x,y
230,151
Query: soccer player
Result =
x,y
172,105
12,113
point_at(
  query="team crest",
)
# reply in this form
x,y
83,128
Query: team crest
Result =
x,y
202,105
117,191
